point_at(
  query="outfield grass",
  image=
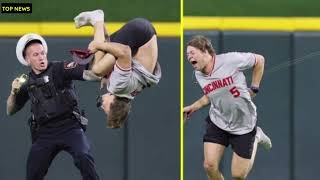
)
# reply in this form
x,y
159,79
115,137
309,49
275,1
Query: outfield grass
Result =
x,y
163,10
115,10
252,8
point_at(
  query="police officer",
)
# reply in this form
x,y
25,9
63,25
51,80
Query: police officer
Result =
x,y
55,120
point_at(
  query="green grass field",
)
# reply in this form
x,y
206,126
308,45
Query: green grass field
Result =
x,y
252,8
115,10
163,10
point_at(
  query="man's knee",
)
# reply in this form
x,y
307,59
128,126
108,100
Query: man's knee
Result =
x,y
240,168
36,173
239,175
211,167
36,168
83,159
104,65
85,163
98,71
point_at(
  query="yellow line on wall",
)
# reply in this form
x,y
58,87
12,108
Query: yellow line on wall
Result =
x,y
181,94
164,29
252,23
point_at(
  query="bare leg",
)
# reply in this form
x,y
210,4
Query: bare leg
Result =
x,y
147,54
99,36
103,63
241,167
104,66
212,156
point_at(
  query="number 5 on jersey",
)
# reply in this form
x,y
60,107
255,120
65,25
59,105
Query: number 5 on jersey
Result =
x,y
235,92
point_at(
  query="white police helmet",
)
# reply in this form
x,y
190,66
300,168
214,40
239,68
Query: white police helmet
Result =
x,y
23,42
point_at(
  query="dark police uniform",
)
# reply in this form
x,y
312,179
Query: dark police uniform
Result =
x,y
55,127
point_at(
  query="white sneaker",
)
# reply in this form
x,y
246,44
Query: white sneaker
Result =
x,y
88,18
263,139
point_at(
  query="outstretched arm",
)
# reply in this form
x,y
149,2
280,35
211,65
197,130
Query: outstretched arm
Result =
x,y
203,101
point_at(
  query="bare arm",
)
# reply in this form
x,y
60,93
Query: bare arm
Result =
x,y
104,66
257,71
88,75
12,106
203,101
100,35
120,51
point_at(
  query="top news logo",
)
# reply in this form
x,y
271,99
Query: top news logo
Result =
x,y
16,7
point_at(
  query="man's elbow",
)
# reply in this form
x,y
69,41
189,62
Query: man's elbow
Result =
x,y
124,52
98,71
259,60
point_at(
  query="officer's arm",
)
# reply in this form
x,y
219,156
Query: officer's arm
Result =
x,y
73,71
16,101
12,107
121,52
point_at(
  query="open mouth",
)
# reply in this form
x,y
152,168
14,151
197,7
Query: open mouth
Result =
x,y
194,62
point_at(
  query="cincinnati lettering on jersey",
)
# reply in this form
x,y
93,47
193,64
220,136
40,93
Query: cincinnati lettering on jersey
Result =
x,y
220,83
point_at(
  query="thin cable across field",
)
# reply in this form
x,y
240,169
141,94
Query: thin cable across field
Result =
x,y
292,62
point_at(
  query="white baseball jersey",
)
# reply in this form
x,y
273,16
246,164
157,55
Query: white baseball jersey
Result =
x,y
129,82
231,107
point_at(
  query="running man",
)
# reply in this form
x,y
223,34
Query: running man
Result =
x,y
232,116
128,59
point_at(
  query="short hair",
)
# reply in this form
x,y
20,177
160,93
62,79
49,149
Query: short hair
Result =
x,y
119,112
202,43
34,41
